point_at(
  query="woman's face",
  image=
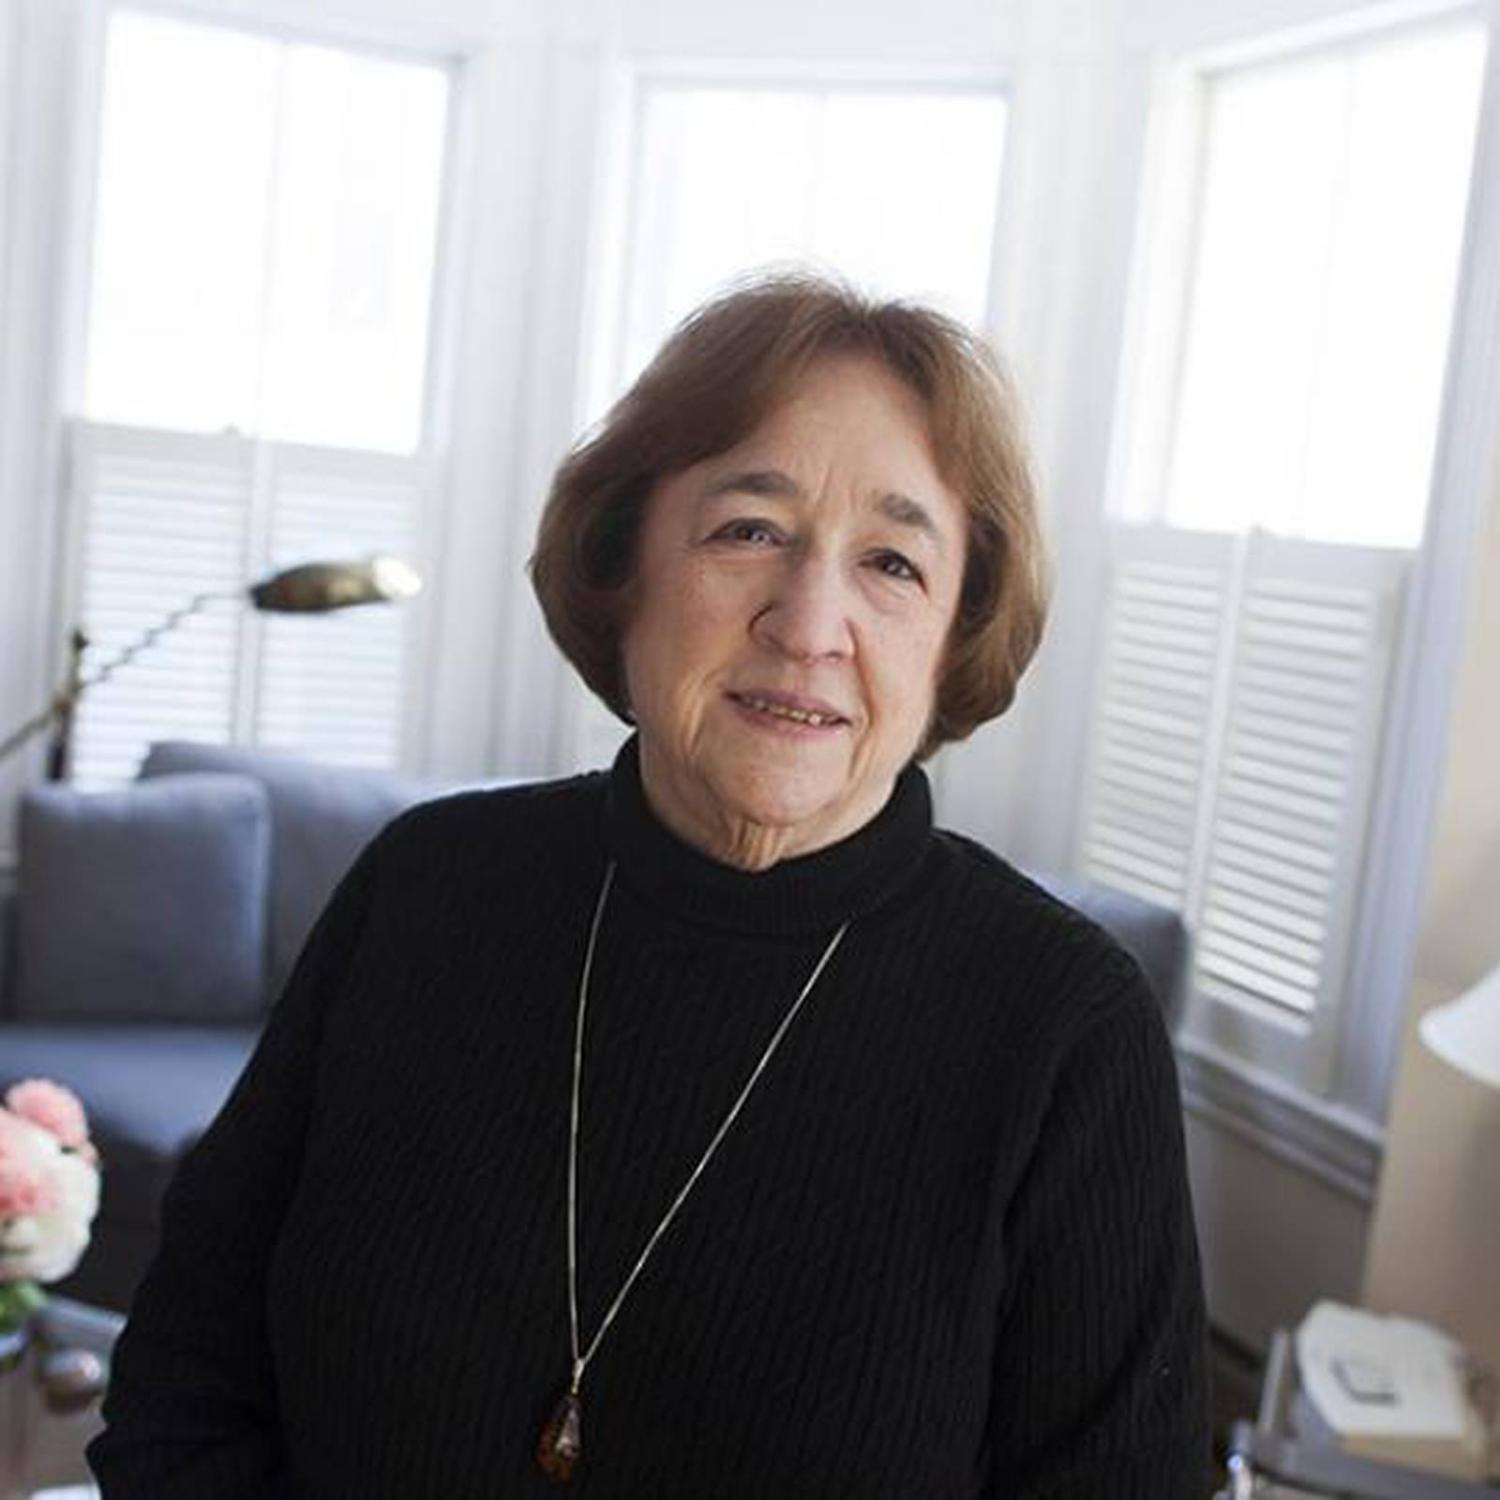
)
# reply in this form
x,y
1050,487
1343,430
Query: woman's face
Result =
x,y
792,599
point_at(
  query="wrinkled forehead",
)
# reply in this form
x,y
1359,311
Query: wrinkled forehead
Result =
x,y
845,416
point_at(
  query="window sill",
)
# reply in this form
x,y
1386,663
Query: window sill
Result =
x,y
1331,1142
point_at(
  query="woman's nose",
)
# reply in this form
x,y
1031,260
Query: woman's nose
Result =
x,y
807,615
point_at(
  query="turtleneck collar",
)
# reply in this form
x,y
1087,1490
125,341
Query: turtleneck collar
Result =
x,y
846,880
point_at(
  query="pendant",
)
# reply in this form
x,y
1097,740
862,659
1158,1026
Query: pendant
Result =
x,y
561,1444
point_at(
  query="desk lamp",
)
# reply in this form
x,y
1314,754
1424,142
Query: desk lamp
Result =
x,y
1435,1240
309,588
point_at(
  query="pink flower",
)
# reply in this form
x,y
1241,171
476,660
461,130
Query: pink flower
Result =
x,y
56,1109
24,1191
49,1195
13,1136
25,1183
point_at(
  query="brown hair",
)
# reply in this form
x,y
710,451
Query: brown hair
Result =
x,y
717,377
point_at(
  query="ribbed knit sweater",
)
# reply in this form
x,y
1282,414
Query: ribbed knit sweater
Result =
x,y
946,1249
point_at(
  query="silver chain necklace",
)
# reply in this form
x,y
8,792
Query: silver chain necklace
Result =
x,y
561,1443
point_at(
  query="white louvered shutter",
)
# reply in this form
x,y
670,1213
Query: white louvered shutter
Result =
x,y
155,521
1163,639
334,686
158,517
1302,716
1260,665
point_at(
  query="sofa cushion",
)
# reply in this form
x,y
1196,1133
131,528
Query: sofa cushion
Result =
x,y
321,817
150,1091
143,903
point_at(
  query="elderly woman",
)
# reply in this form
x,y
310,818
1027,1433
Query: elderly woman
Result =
x,y
712,1127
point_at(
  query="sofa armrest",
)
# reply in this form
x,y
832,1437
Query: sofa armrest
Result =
x,y
1155,936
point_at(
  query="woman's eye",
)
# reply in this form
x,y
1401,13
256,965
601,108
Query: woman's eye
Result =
x,y
756,532
894,565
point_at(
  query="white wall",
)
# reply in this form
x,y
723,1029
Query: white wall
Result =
x,y
1460,934
1442,1169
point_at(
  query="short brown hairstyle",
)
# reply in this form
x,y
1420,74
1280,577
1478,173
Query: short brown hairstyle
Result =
x,y
714,381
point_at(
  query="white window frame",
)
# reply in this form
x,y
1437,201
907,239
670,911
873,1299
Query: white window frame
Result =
x,y
423,467
1336,1132
44,45
1240,674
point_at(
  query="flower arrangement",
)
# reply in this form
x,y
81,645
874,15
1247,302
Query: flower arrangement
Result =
x,y
49,1193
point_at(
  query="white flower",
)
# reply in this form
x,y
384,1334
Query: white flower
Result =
x,y
46,1245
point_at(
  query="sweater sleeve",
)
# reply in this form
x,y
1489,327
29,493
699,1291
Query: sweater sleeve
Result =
x,y
1100,1377
191,1404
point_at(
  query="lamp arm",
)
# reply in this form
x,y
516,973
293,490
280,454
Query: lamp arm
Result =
x,y
64,700
24,732
307,588
144,642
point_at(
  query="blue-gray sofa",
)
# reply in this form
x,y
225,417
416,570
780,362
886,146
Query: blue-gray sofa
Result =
x,y
150,929
153,926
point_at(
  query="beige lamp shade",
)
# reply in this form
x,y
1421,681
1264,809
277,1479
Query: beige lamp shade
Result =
x,y
1434,1247
1465,1033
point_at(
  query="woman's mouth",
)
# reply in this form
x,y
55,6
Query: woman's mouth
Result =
x,y
789,710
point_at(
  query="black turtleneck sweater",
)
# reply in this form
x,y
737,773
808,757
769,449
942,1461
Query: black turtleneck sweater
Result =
x,y
945,1250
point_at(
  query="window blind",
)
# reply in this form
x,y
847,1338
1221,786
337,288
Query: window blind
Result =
x,y
333,685
1237,729
157,518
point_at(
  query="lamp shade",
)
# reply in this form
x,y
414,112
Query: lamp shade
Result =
x,y
1465,1034
1434,1249
314,588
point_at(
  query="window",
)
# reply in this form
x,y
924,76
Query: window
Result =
x,y
1275,487
894,187
1317,320
253,392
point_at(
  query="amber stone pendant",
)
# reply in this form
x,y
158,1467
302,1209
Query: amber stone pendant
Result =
x,y
561,1444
